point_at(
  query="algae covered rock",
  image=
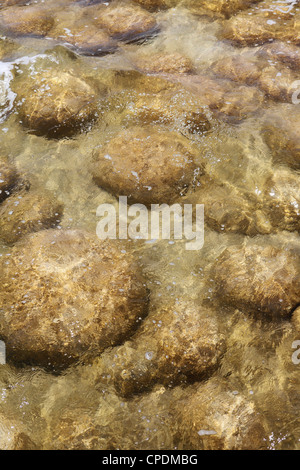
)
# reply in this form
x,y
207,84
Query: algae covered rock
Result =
x,y
124,22
212,417
27,20
217,8
176,344
8,179
281,133
249,30
28,211
65,294
146,164
13,437
258,279
282,199
161,63
281,52
278,84
58,104
238,69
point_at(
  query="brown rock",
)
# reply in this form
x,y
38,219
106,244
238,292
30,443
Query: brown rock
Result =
x,y
58,104
281,133
26,212
282,199
8,179
258,279
145,164
124,22
27,20
175,345
161,63
277,83
238,69
8,3
241,102
74,29
65,294
278,51
212,417
13,437
249,30
217,8
154,5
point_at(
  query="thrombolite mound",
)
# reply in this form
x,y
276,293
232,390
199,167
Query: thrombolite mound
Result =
x,y
278,51
28,211
57,104
65,294
8,179
13,437
146,164
123,22
211,417
161,63
238,69
175,345
278,83
73,28
281,133
282,199
260,279
217,8
27,20
296,319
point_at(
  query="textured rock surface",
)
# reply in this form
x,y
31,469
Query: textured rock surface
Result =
x,y
249,30
296,319
163,63
26,212
217,8
124,22
211,417
278,51
58,104
277,83
27,20
237,68
259,279
282,199
64,294
74,29
174,345
145,164
8,179
12,436
281,133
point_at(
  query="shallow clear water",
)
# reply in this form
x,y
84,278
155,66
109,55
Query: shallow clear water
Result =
x,y
257,364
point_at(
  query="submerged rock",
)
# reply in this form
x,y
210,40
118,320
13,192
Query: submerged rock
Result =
x,y
75,30
249,30
123,22
27,20
296,319
146,164
13,437
282,199
238,69
281,133
28,211
258,279
174,345
212,417
278,51
277,83
58,104
8,179
161,63
65,295
217,8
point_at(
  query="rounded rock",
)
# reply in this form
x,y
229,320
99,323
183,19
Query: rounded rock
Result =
x,y
28,211
258,279
27,20
65,295
147,165
58,105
